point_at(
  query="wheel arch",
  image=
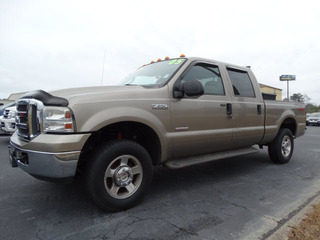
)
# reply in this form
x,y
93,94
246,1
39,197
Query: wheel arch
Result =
x,y
291,124
130,130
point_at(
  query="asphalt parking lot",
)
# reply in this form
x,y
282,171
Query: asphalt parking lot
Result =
x,y
246,197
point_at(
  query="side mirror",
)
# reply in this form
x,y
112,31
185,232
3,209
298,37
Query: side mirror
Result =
x,y
190,88
193,88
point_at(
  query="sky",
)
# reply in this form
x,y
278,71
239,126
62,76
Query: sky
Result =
x,y
59,44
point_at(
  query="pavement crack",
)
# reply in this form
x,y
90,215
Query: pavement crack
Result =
x,y
245,208
38,234
250,210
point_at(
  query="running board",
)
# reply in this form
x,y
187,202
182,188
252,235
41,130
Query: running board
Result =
x,y
188,161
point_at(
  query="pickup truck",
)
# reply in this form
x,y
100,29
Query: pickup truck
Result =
x,y
176,112
7,120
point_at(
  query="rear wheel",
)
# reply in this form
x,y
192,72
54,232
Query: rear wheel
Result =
x,y
281,149
119,175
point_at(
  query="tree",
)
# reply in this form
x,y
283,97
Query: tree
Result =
x,y
310,108
298,97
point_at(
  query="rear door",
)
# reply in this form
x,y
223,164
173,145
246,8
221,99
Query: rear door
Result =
x,y
247,108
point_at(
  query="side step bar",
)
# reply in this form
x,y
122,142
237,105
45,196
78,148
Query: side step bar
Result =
x,y
188,161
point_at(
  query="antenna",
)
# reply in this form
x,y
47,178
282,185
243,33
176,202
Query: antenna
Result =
x,y
104,58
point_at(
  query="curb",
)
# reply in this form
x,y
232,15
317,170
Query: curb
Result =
x,y
285,229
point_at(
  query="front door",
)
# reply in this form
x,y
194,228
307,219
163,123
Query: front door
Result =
x,y
199,125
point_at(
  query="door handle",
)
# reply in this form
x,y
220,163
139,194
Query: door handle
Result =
x,y
259,109
229,110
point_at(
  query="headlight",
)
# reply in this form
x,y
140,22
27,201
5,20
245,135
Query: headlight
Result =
x,y
12,114
58,119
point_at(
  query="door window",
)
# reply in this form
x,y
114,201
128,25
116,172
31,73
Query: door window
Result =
x,y
209,76
241,82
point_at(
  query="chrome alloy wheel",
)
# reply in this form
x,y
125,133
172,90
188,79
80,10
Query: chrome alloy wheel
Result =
x,y
286,146
123,176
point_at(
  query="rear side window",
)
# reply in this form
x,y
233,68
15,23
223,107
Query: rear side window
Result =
x,y
241,83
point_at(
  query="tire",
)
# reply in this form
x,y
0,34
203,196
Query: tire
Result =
x,y
119,175
281,149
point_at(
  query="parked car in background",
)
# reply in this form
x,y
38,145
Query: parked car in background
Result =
x,y
313,119
3,107
8,119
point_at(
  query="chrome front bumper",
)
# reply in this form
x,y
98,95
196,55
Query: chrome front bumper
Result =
x,y
44,165
8,125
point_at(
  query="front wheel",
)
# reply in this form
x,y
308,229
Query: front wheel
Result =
x,y
281,149
119,175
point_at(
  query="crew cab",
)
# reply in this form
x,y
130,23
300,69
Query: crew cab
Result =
x,y
176,112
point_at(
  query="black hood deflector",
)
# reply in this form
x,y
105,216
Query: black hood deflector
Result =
x,y
46,98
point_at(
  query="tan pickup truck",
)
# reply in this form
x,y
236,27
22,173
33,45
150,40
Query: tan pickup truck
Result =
x,y
177,112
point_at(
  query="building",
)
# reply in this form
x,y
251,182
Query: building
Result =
x,y
12,98
271,91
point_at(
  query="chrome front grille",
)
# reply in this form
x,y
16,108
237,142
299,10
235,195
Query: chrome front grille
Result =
x,y
22,120
27,120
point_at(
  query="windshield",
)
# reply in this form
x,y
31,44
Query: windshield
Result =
x,y
314,115
7,105
154,74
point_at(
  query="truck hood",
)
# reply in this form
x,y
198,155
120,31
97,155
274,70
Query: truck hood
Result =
x,y
74,96
85,91
11,108
104,93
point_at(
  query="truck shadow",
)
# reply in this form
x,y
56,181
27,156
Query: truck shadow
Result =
x,y
230,170
167,183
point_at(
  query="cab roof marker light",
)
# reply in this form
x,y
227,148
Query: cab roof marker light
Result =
x,y
182,55
166,58
159,60
142,66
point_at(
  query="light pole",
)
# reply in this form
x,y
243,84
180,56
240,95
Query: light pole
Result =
x,y
288,78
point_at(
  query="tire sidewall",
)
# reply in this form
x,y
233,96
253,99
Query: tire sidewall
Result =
x,y
275,150
287,133
101,160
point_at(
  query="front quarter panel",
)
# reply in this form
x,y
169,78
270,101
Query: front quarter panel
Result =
x,y
152,112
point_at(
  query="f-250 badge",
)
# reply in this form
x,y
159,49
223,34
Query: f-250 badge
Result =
x,y
160,106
